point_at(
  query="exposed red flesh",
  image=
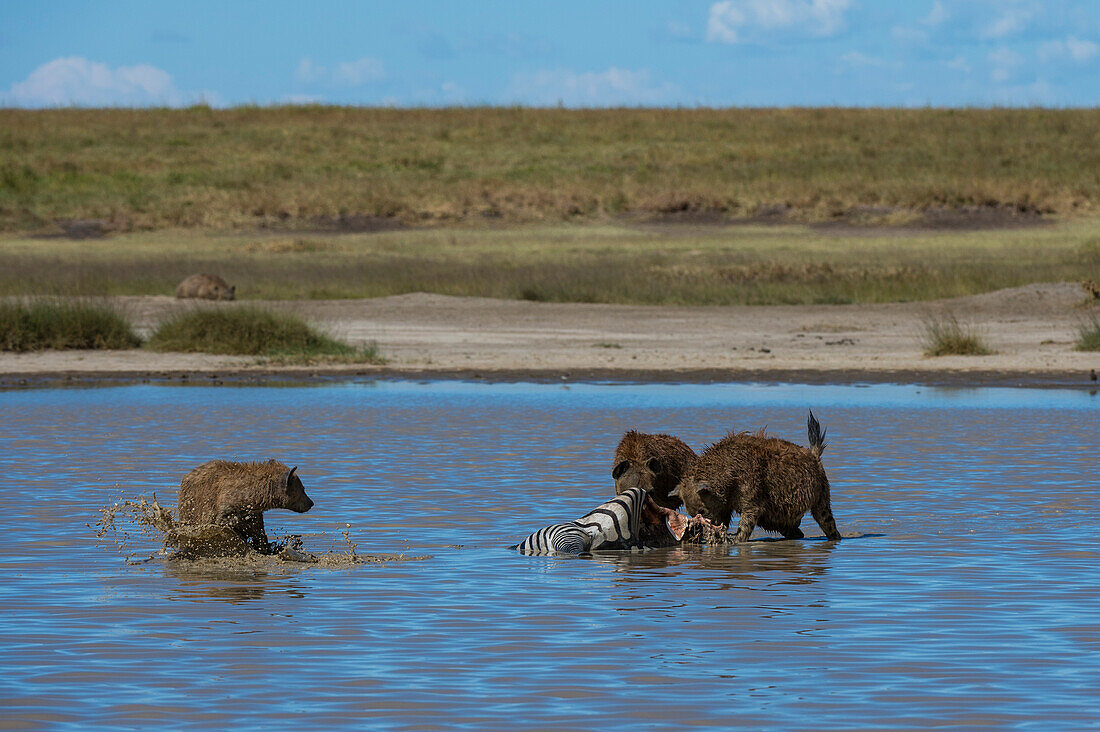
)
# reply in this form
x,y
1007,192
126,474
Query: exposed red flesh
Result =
x,y
675,522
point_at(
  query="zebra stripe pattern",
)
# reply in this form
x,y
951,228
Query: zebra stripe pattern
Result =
x,y
611,525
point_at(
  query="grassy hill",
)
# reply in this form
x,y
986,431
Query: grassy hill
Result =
x,y
301,167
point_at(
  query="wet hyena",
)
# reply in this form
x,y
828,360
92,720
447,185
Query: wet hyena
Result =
x,y
770,482
655,463
236,495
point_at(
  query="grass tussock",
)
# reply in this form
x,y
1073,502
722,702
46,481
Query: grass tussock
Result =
x,y
946,336
41,324
251,331
311,166
1088,335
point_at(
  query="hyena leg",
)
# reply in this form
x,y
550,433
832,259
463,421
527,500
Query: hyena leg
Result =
x,y
250,527
823,515
745,526
792,532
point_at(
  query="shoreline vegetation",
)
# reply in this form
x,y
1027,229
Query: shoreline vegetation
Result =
x,y
346,168
275,337
37,324
278,337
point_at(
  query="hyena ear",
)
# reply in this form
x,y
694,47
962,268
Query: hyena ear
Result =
x,y
705,489
619,468
674,493
288,475
654,464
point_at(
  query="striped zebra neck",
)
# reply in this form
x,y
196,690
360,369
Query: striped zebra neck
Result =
x,y
557,539
611,525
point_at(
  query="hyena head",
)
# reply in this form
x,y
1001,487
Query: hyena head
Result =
x,y
637,474
294,493
700,499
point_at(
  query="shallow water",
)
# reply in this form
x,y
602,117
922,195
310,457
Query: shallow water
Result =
x,y
967,591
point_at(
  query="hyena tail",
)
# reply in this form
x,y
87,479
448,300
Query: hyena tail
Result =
x,y
816,435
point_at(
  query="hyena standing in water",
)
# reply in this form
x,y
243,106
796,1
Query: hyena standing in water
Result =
x,y
770,482
237,494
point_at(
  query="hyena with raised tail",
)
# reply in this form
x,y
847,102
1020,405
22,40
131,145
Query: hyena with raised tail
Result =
x,y
770,482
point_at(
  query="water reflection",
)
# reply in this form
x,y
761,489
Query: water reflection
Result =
x,y
233,581
800,562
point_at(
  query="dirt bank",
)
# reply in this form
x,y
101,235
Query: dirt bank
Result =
x,y
1032,328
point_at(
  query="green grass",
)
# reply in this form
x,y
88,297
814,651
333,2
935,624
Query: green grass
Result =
x,y
40,324
946,336
137,169
1088,335
251,331
607,263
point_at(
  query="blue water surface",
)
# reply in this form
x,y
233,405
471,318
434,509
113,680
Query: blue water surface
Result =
x,y
965,592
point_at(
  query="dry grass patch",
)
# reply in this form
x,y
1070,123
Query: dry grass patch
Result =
x,y
289,246
946,336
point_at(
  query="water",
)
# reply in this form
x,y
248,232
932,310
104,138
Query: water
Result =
x,y
967,592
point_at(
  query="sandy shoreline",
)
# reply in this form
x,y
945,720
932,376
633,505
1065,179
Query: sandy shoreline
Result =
x,y
1032,328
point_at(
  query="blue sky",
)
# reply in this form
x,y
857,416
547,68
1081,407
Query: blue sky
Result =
x,y
579,53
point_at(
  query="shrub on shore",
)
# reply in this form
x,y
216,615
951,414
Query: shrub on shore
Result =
x,y
39,324
946,336
1088,335
251,331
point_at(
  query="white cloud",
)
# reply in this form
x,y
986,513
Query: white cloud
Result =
x,y
1004,61
936,15
610,88
1038,92
302,99
1081,50
734,21
902,34
453,93
857,59
1077,49
959,63
1010,21
678,30
346,73
359,72
308,72
77,81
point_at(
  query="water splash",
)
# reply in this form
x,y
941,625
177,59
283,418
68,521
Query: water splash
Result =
x,y
142,530
139,522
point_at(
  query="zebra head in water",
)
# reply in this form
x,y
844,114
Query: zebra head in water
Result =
x,y
617,524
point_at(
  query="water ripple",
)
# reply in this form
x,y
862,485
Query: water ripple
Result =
x,y
964,594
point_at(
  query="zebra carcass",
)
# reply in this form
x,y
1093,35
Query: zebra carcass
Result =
x,y
630,520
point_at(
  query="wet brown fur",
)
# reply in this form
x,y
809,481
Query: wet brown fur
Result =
x,y
236,495
206,287
653,462
770,482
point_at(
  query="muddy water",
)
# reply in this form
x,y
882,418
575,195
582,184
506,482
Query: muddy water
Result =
x,y
967,591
